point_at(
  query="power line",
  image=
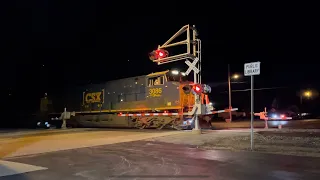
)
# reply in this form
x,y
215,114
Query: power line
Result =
x,y
258,89
224,83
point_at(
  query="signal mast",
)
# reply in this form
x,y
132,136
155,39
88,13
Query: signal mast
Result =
x,y
161,56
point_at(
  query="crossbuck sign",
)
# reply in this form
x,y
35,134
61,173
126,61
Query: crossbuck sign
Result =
x,y
192,66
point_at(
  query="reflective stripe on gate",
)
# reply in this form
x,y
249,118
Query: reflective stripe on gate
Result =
x,y
152,114
175,114
284,118
222,111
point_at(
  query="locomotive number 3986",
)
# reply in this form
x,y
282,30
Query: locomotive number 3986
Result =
x,y
155,92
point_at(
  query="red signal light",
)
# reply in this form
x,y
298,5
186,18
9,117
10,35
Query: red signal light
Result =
x,y
161,53
197,89
158,54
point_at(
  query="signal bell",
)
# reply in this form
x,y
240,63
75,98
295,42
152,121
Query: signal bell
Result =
x,y
206,89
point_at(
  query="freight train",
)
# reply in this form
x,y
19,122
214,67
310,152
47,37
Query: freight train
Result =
x,y
157,100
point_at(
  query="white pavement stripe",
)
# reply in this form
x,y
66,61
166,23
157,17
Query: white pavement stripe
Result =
x,y
8,168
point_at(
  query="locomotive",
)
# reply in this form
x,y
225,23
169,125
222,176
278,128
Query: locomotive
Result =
x,y
157,100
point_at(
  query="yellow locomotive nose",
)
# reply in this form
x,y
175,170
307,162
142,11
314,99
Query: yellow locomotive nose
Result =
x,y
187,89
186,97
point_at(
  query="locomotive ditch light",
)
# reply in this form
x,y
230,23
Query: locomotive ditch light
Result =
x,y
175,72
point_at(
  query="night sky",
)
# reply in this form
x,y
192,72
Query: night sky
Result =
x,y
49,46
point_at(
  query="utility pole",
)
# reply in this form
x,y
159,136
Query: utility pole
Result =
x,y
229,84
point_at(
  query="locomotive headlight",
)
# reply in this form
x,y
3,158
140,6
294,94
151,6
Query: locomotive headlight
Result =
x,y
175,72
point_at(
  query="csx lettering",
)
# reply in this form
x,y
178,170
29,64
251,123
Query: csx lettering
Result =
x,y
155,92
93,97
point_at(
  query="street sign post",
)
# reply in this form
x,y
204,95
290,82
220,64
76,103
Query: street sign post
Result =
x,y
252,69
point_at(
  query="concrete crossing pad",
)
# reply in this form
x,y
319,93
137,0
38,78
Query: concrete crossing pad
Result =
x,y
8,168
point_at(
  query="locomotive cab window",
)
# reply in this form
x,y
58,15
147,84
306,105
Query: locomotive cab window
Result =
x,y
176,78
158,80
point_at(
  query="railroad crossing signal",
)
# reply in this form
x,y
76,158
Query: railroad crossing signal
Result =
x,y
158,54
192,66
193,51
161,53
197,89
188,42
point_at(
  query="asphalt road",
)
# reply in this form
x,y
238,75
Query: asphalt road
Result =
x,y
150,160
294,124
28,142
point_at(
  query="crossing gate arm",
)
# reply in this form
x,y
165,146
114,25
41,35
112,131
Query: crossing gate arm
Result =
x,y
264,117
174,114
285,118
222,111
151,114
